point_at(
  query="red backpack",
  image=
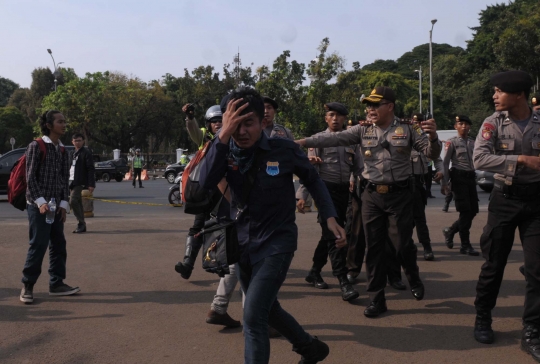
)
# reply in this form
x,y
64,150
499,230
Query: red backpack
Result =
x,y
16,188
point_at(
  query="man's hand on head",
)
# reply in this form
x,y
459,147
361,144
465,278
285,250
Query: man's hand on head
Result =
x,y
232,119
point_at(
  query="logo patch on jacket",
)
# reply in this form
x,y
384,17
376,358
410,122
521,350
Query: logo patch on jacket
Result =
x,y
272,168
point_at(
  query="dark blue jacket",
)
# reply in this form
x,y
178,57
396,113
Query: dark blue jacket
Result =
x,y
267,226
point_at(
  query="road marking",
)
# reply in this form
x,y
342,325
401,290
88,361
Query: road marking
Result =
x,y
134,203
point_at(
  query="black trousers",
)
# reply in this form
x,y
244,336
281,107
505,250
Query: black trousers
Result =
x,y
428,180
419,213
137,173
327,245
357,242
466,196
388,217
504,216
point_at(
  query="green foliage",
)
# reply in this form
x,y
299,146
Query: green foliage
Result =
x,y
13,125
7,87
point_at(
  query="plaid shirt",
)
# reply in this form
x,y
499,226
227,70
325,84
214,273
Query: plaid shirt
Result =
x,y
48,179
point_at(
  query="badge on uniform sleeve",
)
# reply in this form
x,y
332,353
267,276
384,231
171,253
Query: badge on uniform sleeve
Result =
x,y
486,134
272,168
417,128
447,145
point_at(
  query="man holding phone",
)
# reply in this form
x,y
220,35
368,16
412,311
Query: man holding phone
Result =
x,y
386,146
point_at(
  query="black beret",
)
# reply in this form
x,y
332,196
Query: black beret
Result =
x,y
418,117
464,119
380,93
337,107
224,102
268,100
512,81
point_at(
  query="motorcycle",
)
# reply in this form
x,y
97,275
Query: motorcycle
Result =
x,y
175,192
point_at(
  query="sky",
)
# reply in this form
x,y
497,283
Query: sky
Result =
x,y
150,38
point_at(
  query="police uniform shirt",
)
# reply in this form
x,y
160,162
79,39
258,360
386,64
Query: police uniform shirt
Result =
x,y
386,153
459,152
338,164
278,131
420,163
500,142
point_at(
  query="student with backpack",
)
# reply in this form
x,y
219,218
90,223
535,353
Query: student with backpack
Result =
x,y
47,179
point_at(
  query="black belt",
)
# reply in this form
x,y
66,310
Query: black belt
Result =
x,y
466,174
384,189
523,191
338,187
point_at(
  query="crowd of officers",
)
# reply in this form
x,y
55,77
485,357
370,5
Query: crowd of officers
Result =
x,y
376,174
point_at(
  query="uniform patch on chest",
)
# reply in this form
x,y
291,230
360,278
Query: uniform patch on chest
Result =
x,y
272,168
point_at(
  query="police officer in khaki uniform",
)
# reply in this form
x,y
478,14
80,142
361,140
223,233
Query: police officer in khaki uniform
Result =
x,y
420,165
273,129
459,151
387,199
335,166
508,144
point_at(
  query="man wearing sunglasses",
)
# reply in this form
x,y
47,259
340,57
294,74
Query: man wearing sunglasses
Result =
x,y
387,200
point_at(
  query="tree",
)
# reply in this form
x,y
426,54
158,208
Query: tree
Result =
x,y
13,125
7,87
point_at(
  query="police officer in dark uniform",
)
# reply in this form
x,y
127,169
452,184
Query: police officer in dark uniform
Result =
x,y
267,232
273,129
335,166
508,144
459,151
387,199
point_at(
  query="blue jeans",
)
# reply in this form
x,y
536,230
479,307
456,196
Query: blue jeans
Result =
x,y
261,283
43,235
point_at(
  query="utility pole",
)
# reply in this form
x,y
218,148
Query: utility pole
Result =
x,y
431,68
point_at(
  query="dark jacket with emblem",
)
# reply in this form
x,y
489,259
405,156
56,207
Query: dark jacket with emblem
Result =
x,y
84,168
267,226
500,142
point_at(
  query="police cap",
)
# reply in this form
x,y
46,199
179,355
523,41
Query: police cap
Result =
x,y
464,119
269,100
337,107
380,93
418,117
512,81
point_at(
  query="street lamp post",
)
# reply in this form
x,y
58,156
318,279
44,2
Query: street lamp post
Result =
x,y
419,71
55,69
431,68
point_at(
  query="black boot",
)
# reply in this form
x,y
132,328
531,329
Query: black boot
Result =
x,y
314,278
446,206
193,245
466,248
348,292
449,233
313,352
530,341
483,333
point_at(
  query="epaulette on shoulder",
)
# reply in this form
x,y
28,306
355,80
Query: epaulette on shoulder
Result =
x,y
403,121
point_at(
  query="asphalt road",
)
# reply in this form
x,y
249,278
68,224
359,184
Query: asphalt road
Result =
x,y
134,308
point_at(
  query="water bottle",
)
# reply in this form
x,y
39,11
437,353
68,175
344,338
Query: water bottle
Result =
x,y
52,211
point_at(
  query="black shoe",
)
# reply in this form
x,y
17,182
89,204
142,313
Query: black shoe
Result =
x,y
428,255
351,276
448,237
214,318
80,229
141,186
483,333
522,270
347,290
376,308
398,284
27,293
313,352
418,291
184,269
469,250
316,280
445,207
530,341
63,290
134,186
